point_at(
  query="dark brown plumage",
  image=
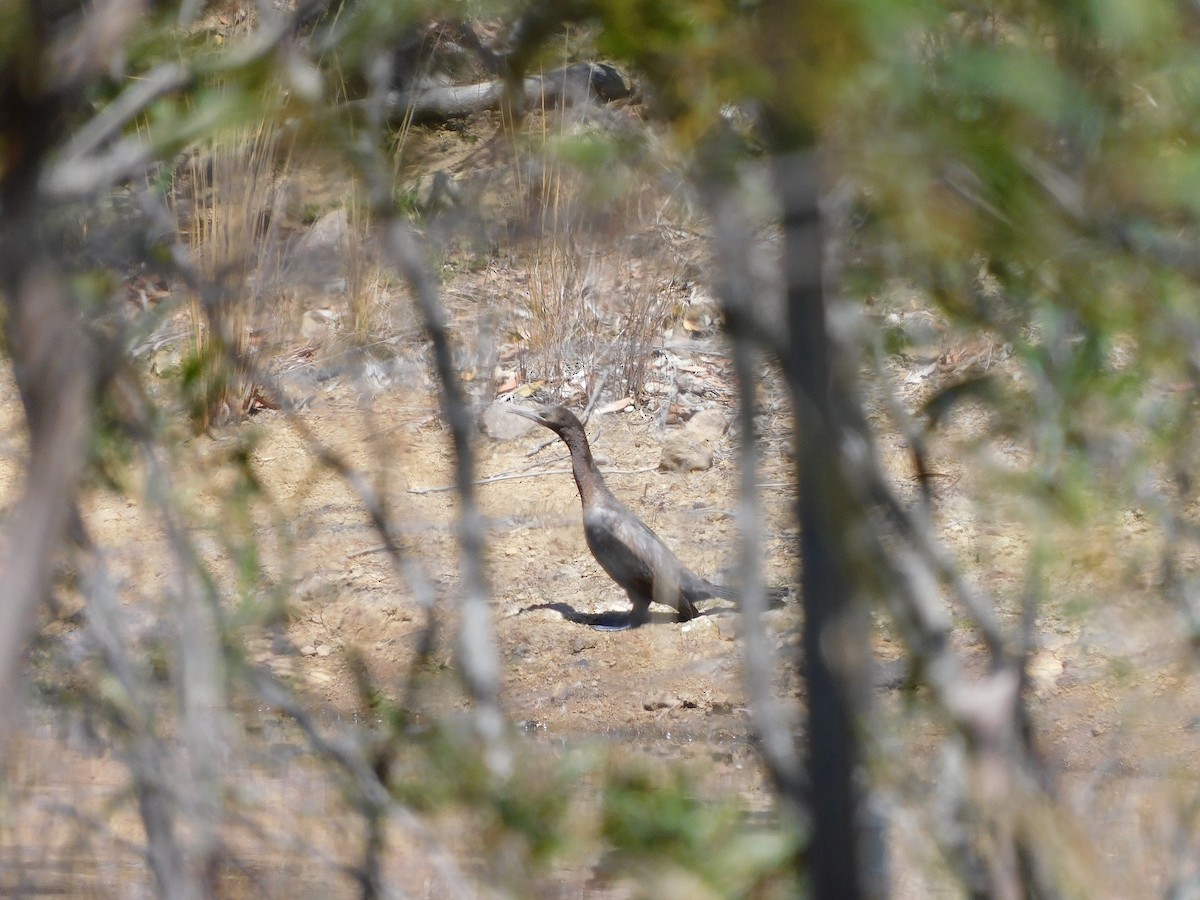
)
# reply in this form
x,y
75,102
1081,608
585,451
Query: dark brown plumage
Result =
x,y
633,555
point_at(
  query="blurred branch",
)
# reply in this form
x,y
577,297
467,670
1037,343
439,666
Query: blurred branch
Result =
x,y
477,654
145,754
916,524
56,371
375,800
836,642
129,104
913,435
95,157
201,680
987,711
734,287
564,86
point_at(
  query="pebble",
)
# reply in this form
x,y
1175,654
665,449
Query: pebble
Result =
x,y
685,452
579,644
501,424
709,425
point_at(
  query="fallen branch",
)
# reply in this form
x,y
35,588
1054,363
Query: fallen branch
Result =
x,y
568,85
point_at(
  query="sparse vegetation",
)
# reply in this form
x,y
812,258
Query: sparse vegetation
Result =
x,y
273,634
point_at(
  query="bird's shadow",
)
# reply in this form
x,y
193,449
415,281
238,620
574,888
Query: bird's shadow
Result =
x,y
613,620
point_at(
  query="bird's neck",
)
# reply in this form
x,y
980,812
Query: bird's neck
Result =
x,y
587,477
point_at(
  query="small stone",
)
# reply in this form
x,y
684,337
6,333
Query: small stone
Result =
x,y
500,423
308,650
579,644
1044,671
683,451
662,701
704,626
729,627
709,425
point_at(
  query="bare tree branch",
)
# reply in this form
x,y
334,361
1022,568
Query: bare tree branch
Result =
x,y
56,371
734,286
837,650
146,755
477,654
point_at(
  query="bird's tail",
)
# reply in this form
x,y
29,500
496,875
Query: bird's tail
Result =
x,y
775,596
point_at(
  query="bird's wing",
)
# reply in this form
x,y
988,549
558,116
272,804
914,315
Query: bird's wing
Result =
x,y
633,555
654,573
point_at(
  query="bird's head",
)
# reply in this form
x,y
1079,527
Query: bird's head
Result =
x,y
557,418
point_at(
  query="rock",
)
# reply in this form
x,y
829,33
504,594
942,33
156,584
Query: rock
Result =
x,y
1044,671
892,674
683,451
317,324
729,627
500,424
702,627
560,693
662,701
622,404
691,450
690,385
709,425
325,234
701,319
437,192
320,256
579,644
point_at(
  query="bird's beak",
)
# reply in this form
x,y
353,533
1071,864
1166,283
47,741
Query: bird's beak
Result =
x,y
531,414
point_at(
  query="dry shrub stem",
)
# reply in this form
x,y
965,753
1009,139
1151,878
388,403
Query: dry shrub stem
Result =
x,y
842,486
228,178
57,370
478,658
407,568
836,649
201,682
734,287
145,755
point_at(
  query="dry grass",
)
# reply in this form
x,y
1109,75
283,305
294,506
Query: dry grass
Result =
x,y
598,294
232,231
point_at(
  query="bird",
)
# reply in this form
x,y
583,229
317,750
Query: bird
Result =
x,y
626,548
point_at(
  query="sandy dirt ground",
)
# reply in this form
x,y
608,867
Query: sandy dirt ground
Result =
x,y
1115,707
1114,694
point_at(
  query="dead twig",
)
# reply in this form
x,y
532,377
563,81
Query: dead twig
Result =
x,y
477,655
773,727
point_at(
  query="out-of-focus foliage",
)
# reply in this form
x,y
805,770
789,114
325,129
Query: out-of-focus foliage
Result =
x,y
660,830
1030,169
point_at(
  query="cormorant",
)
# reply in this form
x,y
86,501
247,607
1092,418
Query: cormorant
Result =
x,y
633,555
